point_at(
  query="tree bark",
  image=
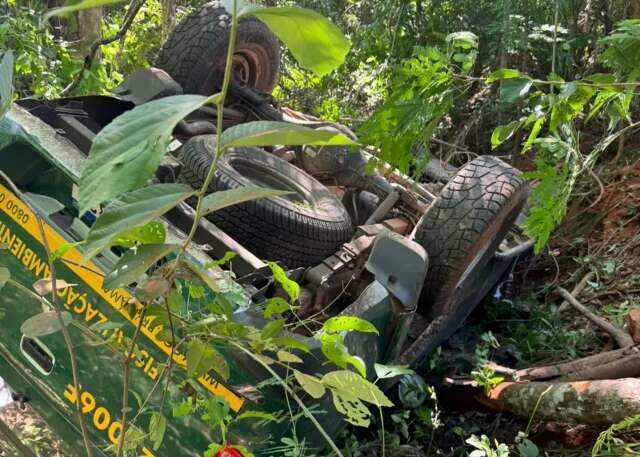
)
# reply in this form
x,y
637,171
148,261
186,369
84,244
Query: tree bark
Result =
x,y
168,17
584,402
89,29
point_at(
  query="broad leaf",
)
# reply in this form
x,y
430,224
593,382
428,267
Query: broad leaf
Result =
x,y
133,209
44,324
512,90
503,132
222,199
5,275
135,262
202,358
183,409
503,73
291,343
6,83
72,6
290,287
334,349
150,233
391,371
157,429
316,43
311,385
127,152
533,134
350,391
288,357
348,324
269,133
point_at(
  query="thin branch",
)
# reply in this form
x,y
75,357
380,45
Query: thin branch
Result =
x,y
577,290
134,8
125,384
54,304
622,338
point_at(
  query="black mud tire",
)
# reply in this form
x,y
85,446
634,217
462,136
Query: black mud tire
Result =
x,y
195,52
299,233
464,227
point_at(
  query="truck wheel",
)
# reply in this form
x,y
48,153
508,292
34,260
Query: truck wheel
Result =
x,y
300,229
195,52
464,227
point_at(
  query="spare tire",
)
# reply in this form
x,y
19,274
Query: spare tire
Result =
x,y
300,229
464,227
194,55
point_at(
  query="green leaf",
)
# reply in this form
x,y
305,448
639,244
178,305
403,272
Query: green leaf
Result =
x,y
150,233
512,90
290,287
269,133
316,43
503,73
259,415
6,83
349,391
134,264
222,199
133,209
157,429
5,275
184,408
272,328
391,371
311,385
334,349
202,358
44,324
77,6
288,357
127,152
348,324
528,449
503,132
276,305
533,134
63,249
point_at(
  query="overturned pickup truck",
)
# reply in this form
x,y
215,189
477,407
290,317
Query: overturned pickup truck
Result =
x,y
411,258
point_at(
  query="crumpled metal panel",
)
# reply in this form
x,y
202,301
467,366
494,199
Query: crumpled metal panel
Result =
x,y
19,126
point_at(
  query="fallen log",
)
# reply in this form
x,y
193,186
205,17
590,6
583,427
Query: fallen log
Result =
x,y
621,363
599,402
622,338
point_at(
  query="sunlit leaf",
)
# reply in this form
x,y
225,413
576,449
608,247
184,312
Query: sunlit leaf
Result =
x,y
222,199
183,409
276,305
133,209
290,287
258,415
311,385
288,357
127,152
348,324
334,349
269,133
150,233
503,73
316,43
135,262
63,249
391,371
503,132
44,324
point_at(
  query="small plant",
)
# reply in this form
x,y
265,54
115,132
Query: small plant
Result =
x,y
484,448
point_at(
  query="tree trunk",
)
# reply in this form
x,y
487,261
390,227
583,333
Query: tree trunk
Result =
x,y
586,402
89,29
168,17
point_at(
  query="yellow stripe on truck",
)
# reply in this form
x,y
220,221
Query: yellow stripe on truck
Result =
x,y
92,276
